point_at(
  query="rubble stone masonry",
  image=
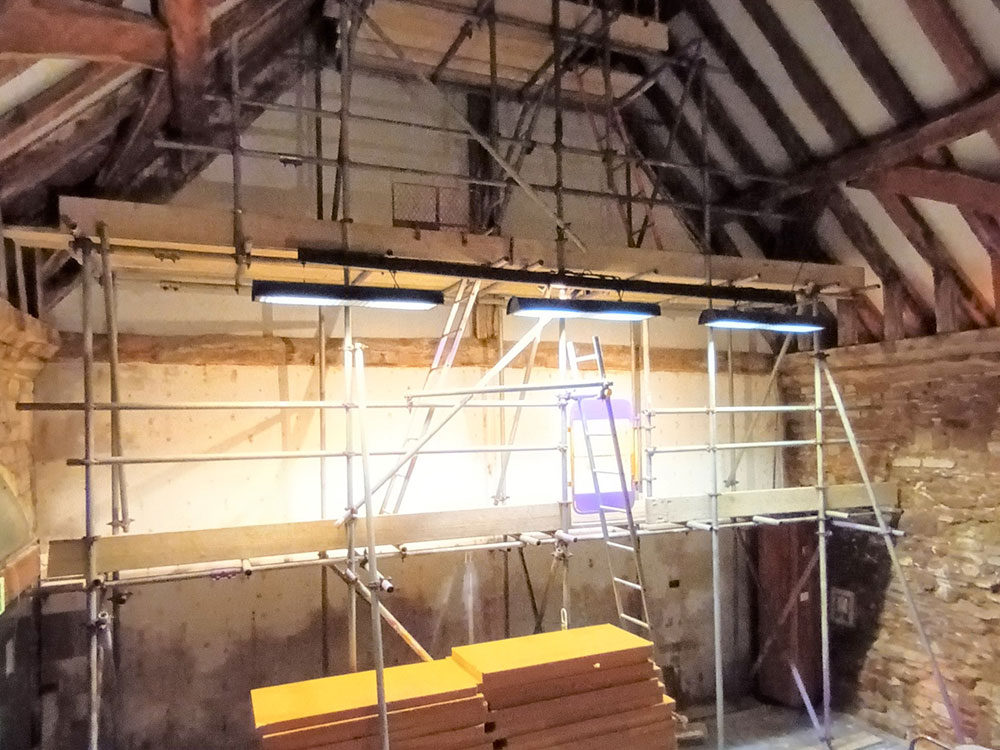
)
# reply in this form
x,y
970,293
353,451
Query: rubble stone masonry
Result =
x,y
25,345
929,413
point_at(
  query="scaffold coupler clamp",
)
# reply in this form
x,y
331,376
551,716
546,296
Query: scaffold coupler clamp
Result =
x,y
561,551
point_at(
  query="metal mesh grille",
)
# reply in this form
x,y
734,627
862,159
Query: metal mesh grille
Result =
x,y
429,206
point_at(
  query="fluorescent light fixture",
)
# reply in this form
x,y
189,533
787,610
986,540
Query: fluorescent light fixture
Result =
x,y
598,309
761,320
387,298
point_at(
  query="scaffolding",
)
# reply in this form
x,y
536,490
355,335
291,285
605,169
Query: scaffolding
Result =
x,y
634,185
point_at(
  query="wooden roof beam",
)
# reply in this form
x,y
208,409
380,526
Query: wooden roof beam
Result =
x,y
38,117
798,151
749,160
880,73
893,282
83,30
844,134
919,233
189,27
969,70
946,185
135,143
73,153
938,128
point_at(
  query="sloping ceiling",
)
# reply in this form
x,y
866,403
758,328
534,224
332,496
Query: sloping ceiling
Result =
x,y
799,88
809,79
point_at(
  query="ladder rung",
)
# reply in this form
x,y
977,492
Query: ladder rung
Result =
x,y
625,547
634,620
586,358
612,508
630,584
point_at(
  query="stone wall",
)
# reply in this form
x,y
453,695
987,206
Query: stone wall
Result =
x,y
930,411
25,345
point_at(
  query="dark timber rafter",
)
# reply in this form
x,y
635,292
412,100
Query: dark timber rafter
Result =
x,y
798,151
845,135
896,97
189,28
968,69
881,75
84,30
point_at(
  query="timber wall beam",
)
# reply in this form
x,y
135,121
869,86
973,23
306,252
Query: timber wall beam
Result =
x,y
140,552
168,228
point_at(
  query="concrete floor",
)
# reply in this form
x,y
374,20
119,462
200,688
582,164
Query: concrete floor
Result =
x,y
761,727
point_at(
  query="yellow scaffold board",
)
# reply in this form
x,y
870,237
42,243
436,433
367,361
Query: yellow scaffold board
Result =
x,y
346,696
535,657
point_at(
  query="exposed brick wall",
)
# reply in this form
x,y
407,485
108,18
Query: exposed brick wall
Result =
x,y
25,345
930,409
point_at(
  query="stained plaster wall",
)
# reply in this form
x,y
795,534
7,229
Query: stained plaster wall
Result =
x,y
191,651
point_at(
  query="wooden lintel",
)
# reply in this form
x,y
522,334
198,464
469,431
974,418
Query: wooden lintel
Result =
x,y
174,227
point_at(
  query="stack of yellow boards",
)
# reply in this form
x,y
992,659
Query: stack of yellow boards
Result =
x,y
589,688
433,705
592,688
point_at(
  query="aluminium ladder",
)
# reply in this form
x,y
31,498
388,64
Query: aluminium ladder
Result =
x,y
621,540
444,356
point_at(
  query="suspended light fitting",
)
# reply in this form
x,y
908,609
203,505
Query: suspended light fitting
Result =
x,y
761,320
597,309
387,298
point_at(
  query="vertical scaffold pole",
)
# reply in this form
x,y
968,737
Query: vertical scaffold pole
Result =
x,y
716,566
352,560
557,145
119,495
647,412
821,530
342,199
713,429
374,583
90,511
323,499
565,507
239,236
